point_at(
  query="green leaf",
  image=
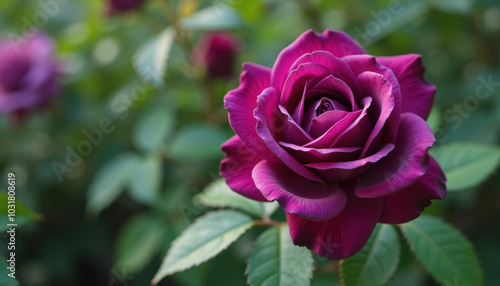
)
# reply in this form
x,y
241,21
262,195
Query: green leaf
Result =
x,y
276,261
466,164
144,182
6,280
443,251
218,194
202,240
150,60
152,129
376,262
22,215
198,142
218,17
139,240
109,182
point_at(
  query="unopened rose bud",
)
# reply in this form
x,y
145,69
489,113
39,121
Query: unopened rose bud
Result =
x,y
216,52
120,6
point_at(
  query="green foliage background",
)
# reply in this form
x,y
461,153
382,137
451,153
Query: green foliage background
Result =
x,y
167,143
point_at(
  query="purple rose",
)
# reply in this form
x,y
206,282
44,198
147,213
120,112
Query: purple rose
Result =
x,y
337,137
28,73
216,51
119,6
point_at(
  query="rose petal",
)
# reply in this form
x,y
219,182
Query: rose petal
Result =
x,y
240,104
417,94
336,42
270,125
307,155
407,204
19,100
349,169
293,90
350,122
341,236
364,63
382,112
237,168
292,132
332,84
337,67
404,165
298,195
325,121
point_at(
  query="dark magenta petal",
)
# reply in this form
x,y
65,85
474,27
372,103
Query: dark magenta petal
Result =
x,y
325,121
407,204
292,132
379,89
341,236
417,94
404,165
350,122
19,100
336,42
333,85
29,74
298,195
337,67
120,6
240,104
307,155
237,168
364,63
348,169
293,90
270,125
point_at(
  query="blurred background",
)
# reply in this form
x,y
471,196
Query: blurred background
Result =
x,y
166,124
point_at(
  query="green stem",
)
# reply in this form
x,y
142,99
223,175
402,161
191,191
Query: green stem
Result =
x,y
185,43
266,221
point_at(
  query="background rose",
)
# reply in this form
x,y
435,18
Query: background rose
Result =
x,y
28,73
337,137
117,6
216,52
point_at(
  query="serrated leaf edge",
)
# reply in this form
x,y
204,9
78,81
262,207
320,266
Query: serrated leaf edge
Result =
x,y
413,251
157,279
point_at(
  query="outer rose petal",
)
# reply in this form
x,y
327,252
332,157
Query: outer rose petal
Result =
x,y
416,92
341,236
298,195
408,203
241,102
237,168
336,42
404,165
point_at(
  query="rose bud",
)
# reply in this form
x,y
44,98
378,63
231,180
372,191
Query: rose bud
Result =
x,y
216,52
337,137
28,73
120,6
